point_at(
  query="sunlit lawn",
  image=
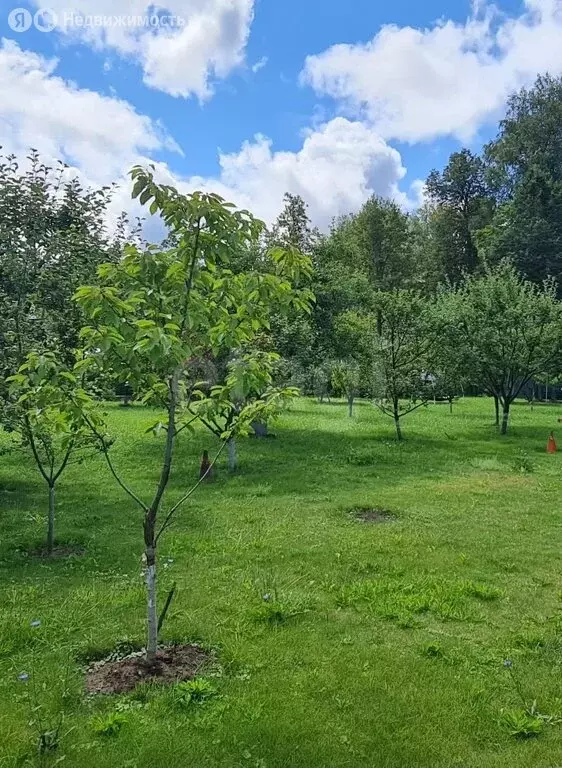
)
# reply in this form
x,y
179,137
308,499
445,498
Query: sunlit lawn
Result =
x,y
390,646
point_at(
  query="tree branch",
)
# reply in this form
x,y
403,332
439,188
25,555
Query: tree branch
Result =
x,y
184,498
34,450
64,461
169,447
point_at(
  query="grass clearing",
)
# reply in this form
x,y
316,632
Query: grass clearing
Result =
x,y
337,643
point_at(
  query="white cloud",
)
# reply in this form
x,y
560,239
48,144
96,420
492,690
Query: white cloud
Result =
x,y
181,59
338,167
100,135
260,64
340,164
418,84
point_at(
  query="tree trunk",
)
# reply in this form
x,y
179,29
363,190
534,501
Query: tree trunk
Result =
x,y
260,429
149,526
497,407
505,418
232,462
350,404
51,521
151,614
379,323
450,405
397,420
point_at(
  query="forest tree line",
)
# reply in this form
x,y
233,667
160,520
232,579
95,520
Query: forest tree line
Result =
x,y
460,295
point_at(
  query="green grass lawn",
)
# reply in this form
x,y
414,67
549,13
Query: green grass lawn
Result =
x,y
390,646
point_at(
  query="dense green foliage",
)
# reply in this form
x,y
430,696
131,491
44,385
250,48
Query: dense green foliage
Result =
x,y
525,167
480,210
502,332
53,237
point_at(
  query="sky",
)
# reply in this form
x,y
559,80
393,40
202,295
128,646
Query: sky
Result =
x,y
331,100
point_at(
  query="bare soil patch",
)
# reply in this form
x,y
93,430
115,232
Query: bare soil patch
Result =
x,y
373,515
59,552
171,665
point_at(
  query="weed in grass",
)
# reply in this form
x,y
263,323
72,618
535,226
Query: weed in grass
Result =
x,y
529,641
372,515
508,665
138,698
46,704
523,463
260,490
277,612
405,621
108,725
528,721
15,636
367,568
274,608
90,654
433,651
193,692
521,725
361,458
480,591
507,566
487,464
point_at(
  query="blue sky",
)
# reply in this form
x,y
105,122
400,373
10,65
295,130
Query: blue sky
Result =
x,y
343,104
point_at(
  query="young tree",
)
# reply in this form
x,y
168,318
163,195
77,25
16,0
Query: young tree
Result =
x,y
505,331
248,381
445,379
402,350
50,412
320,378
155,312
346,379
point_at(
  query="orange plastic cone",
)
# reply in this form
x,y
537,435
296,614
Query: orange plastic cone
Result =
x,y
551,444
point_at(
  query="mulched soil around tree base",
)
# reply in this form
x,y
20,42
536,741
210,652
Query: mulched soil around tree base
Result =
x,y
59,551
171,665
